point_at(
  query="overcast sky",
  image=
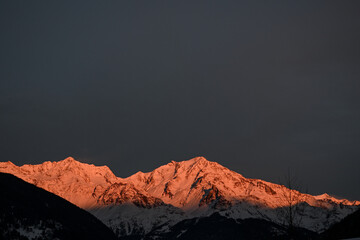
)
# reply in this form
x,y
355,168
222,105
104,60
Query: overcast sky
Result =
x,y
258,87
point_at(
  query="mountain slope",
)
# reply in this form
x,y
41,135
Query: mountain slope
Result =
x,y
221,228
196,182
177,191
28,212
349,227
79,183
204,187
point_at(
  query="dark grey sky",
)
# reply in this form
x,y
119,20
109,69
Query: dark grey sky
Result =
x,y
259,87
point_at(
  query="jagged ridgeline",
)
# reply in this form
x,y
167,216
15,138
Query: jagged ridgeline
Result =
x,y
162,202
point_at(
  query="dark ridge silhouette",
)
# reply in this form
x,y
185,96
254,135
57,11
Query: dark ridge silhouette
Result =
x,y
217,227
28,210
349,227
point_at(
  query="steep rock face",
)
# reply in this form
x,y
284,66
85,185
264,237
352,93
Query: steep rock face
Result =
x,y
121,193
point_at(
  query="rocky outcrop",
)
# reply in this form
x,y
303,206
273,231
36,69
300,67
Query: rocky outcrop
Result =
x,y
121,193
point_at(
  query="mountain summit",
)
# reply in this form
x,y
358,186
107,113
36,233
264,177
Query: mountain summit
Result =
x,y
196,182
189,184
176,191
75,181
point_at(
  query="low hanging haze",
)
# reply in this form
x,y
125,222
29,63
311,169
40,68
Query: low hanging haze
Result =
x,y
257,86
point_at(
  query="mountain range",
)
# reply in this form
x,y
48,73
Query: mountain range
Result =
x,y
152,204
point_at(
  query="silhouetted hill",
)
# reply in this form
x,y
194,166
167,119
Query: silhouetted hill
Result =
x,y
220,228
349,227
28,212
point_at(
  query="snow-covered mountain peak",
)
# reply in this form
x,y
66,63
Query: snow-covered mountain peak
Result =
x,y
68,178
68,166
69,159
323,196
328,198
183,184
197,182
196,186
198,160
